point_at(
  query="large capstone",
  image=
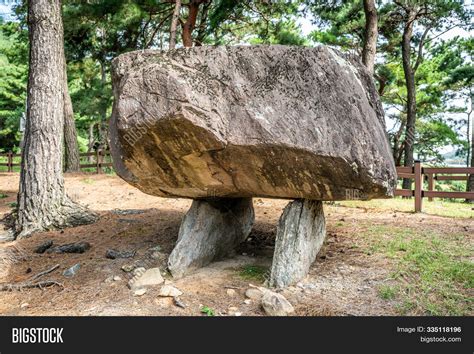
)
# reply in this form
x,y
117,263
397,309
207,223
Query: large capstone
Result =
x,y
268,121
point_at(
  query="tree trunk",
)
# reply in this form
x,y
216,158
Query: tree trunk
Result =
x,y
174,24
71,149
190,23
371,32
470,181
411,98
42,202
103,126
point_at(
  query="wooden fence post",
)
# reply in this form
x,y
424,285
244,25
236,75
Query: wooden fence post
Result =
x,y
98,160
10,161
431,182
418,186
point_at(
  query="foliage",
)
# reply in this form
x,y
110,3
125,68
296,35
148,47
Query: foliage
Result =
x,y
13,77
97,31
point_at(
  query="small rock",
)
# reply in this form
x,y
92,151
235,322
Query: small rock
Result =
x,y
127,268
150,277
177,301
109,279
114,254
76,247
24,305
157,255
238,314
231,292
70,272
44,246
155,249
139,271
129,211
169,291
116,278
276,304
232,310
139,292
254,294
247,301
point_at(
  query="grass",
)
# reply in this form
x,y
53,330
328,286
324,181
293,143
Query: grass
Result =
x,y
433,273
254,272
437,207
207,311
3,196
388,292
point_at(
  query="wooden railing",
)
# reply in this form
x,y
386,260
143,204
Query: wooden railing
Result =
x,y
99,160
418,173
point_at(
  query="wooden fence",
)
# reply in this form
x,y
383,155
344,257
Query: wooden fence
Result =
x,y
98,162
432,174
416,172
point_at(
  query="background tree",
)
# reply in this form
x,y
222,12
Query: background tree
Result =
x,y
42,201
370,35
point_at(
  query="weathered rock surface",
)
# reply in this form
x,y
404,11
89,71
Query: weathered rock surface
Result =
x,y
270,121
276,304
254,294
210,230
145,278
169,291
300,235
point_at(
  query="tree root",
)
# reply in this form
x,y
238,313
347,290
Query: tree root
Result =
x,y
30,282
26,285
69,214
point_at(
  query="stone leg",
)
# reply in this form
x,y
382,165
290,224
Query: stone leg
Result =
x,y
300,235
210,230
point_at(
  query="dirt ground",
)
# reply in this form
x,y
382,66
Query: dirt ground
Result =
x,y
343,280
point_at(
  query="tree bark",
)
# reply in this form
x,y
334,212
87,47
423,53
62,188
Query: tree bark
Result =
x,y
190,23
470,181
371,33
71,149
103,126
174,24
411,97
42,202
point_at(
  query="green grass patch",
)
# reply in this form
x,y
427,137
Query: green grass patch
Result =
x,y
3,196
388,292
254,272
433,272
207,311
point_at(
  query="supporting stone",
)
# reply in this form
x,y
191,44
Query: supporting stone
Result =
x,y
300,235
210,230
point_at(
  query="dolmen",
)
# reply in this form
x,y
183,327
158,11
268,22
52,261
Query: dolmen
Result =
x,y
221,125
